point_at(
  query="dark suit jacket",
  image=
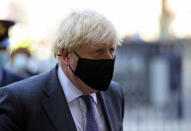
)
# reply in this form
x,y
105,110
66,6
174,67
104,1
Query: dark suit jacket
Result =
x,y
39,104
9,77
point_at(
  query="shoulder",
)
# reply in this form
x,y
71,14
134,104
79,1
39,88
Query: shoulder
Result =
x,y
115,86
32,87
26,86
10,76
13,74
115,89
115,98
114,93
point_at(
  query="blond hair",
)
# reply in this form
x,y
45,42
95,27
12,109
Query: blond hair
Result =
x,y
84,27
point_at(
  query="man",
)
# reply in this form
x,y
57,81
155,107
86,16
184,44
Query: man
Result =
x,y
6,76
77,95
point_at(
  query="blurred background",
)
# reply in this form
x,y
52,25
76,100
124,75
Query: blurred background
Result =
x,y
153,65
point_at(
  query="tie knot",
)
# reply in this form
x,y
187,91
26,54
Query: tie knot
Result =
x,y
87,99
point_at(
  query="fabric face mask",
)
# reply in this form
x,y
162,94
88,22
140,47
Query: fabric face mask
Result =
x,y
20,62
97,74
4,57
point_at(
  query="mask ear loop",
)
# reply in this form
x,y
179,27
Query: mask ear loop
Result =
x,y
59,55
70,66
76,54
71,69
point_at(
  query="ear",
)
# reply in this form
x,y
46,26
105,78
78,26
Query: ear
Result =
x,y
65,56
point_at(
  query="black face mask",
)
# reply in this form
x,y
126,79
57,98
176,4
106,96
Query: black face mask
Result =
x,y
97,74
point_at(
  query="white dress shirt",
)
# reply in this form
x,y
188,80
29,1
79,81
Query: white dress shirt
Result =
x,y
77,105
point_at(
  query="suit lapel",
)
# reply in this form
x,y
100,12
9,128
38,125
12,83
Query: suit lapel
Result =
x,y
107,110
56,105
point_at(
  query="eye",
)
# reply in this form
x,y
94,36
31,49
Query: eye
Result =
x,y
99,50
112,50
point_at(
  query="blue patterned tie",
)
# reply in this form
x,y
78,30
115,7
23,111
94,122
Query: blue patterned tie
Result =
x,y
91,124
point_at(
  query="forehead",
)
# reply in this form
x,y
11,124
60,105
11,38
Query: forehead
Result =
x,y
96,46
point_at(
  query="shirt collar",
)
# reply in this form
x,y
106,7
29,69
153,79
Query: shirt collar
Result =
x,y
70,90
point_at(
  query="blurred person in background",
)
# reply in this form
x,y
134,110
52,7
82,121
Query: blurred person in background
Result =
x,y
77,94
6,76
20,61
175,59
172,52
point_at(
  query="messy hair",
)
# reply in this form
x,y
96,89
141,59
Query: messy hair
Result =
x,y
84,27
